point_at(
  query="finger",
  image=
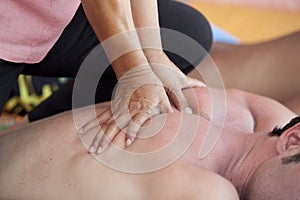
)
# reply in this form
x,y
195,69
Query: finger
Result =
x,y
91,124
112,119
180,102
95,122
105,116
119,140
113,129
95,144
165,107
135,125
194,83
116,115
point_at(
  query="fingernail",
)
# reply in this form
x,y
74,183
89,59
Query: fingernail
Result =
x,y
188,110
92,149
99,150
128,142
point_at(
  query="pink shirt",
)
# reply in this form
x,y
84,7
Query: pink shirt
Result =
x,y
29,28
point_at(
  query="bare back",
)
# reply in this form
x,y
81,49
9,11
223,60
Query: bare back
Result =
x,y
47,160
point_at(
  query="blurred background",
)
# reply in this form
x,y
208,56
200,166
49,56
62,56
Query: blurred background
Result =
x,y
252,20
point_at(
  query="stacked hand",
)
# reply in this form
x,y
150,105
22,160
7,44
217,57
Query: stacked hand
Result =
x,y
174,82
139,96
141,93
173,79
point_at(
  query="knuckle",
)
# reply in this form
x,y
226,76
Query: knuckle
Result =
x,y
108,137
177,92
111,131
137,122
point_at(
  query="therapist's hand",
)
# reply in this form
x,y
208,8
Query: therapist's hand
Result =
x,y
139,96
174,82
173,79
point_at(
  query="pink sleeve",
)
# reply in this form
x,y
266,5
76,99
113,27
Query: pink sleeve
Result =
x,y
29,28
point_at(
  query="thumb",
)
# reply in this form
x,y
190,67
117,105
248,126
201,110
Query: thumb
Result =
x,y
194,82
178,99
166,107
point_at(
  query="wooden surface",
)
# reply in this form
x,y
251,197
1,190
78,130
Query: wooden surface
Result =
x,y
250,24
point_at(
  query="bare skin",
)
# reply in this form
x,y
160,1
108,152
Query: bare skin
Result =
x,y
269,68
46,159
116,24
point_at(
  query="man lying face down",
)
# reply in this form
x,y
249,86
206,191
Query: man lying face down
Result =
x,y
47,160
278,177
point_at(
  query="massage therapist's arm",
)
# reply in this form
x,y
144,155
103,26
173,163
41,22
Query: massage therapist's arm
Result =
x,y
140,92
148,29
112,18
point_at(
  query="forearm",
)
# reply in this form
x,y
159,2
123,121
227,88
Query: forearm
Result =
x,y
145,17
113,24
146,20
145,13
108,17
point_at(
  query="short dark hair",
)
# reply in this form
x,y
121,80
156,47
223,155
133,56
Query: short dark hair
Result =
x,y
278,131
291,159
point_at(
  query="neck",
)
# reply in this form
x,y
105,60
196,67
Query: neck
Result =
x,y
237,156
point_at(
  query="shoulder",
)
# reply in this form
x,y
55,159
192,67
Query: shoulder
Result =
x,y
211,186
216,187
265,112
194,183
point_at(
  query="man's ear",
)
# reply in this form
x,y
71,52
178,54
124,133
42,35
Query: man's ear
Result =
x,y
289,139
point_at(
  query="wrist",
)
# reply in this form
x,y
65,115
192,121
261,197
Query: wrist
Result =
x,y
153,54
158,57
150,37
129,61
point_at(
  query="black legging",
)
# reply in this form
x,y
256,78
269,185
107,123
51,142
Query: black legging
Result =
x,y
78,39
